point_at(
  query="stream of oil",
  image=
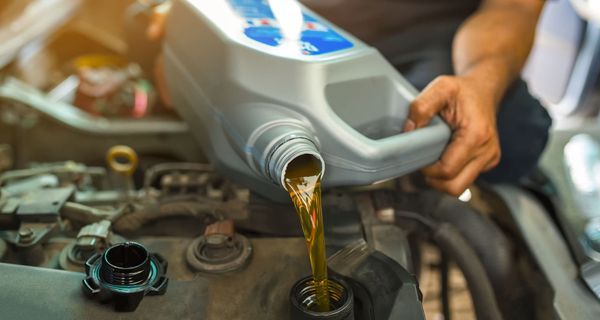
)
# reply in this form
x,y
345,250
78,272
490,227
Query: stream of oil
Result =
x,y
303,180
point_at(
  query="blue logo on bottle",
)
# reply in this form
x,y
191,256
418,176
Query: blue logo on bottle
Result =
x,y
316,38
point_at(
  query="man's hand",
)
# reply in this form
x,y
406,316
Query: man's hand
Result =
x,y
158,19
471,113
489,51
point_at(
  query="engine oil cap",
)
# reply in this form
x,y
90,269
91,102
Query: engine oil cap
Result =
x,y
124,274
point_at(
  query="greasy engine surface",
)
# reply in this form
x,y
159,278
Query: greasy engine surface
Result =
x,y
169,222
55,216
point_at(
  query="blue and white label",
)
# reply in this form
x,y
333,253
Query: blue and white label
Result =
x,y
261,25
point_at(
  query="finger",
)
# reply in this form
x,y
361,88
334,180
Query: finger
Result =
x,y
433,99
462,150
158,20
463,180
494,161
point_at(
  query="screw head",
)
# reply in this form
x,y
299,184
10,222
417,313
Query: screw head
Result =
x,y
25,235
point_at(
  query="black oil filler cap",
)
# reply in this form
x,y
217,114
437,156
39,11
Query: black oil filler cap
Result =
x,y
123,274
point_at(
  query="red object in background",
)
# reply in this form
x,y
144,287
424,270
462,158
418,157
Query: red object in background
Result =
x,y
112,91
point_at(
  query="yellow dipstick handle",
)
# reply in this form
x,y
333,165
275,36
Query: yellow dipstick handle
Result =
x,y
122,160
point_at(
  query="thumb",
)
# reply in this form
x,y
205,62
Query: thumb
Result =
x,y
433,99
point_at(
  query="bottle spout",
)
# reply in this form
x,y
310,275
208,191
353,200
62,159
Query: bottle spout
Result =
x,y
293,151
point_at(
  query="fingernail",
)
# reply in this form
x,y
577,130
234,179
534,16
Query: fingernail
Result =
x,y
409,125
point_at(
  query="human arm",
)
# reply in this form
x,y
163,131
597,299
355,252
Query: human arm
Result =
x,y
489,51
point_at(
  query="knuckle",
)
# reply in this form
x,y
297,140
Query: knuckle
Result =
x,y
445,82
419,108
447,171
416,105
455,190
482,135
496,156
474,140
496,149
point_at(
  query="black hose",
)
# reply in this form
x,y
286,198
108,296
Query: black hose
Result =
x,y
449,240
445,287
486,238
454,246
493,248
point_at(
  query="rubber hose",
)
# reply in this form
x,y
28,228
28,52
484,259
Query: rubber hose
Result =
x,y
492,247
489,242
450,241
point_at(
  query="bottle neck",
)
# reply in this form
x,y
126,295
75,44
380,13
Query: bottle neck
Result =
x,y
285,153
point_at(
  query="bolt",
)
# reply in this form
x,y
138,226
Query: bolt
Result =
x,y
25,235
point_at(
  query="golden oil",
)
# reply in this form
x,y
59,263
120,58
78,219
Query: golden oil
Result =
x,y
303,182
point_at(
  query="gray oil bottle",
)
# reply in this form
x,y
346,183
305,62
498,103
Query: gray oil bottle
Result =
x,y
263,82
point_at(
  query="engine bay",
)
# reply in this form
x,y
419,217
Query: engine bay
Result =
x,y
56,216
110,208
